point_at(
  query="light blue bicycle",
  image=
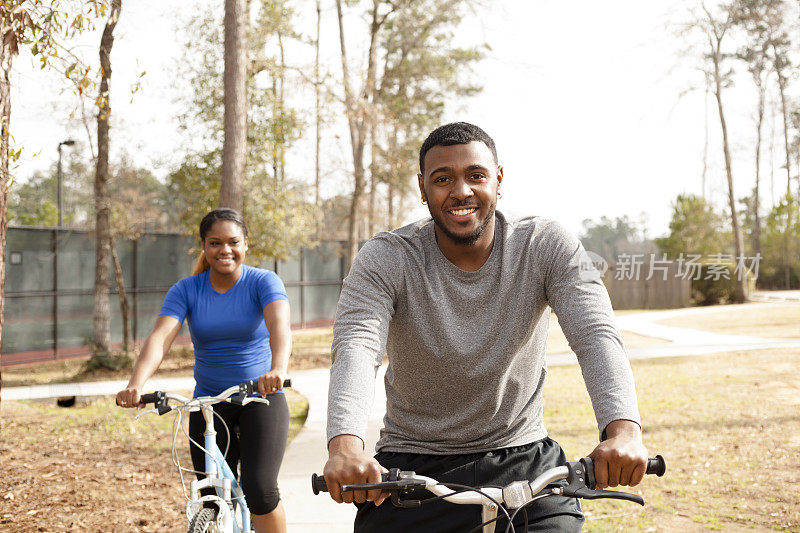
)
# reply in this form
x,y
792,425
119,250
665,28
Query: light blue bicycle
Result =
x,y
227,512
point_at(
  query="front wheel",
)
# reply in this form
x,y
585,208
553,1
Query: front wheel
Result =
x,y
204,521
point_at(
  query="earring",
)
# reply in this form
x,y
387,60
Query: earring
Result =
x,y
424,202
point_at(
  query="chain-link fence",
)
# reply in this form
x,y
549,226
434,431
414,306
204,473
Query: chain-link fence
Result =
x,y
50,286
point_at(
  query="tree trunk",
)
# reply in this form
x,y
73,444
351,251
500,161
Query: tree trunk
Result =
x,y
373,182
355,205
762,90
282,110
234,150
390,201
317,83
274,139
782,91
394,151
123,300
705,142
787,241
102,202
5,118
357,117
741,286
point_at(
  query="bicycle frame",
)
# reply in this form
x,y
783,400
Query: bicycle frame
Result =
x,y
219,476
229,498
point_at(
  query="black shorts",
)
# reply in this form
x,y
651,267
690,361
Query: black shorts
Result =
x,y
260,446
494,468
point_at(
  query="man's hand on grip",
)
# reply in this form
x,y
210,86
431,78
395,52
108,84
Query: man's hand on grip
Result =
x,y
348,464
621,459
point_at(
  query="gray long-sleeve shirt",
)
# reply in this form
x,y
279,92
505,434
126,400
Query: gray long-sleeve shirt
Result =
x,y
466,350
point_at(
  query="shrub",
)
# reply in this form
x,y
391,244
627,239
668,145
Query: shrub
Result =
x,y
709,291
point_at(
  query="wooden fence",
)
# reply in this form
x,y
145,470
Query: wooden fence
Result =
x,y
666,287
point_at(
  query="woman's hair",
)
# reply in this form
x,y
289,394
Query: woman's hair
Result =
x,y
223,213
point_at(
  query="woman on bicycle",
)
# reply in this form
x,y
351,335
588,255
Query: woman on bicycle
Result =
x,y
239,325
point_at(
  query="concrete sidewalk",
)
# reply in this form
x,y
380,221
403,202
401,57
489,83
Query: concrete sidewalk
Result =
x,y
686,341
96,388
776,296
306,513
307,453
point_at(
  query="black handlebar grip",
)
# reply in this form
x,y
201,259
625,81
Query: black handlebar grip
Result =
x,y
254,383
318,484
150,397
657,466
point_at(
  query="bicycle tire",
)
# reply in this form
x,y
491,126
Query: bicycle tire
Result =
x,y
204,521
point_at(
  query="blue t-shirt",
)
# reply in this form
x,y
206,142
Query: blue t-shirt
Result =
x,y
231,340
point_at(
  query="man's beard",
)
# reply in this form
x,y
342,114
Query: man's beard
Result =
x,y
464,240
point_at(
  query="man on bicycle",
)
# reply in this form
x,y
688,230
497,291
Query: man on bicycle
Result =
x,y
460,304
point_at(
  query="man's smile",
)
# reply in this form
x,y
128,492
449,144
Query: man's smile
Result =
x,y
462,212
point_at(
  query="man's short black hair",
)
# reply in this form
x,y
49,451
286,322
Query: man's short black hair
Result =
x,y
455,133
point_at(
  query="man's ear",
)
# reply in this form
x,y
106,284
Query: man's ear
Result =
x,y
420,182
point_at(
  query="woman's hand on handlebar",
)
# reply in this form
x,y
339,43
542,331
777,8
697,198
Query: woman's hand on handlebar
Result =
x,y
348,464
271,382
621,459
128,397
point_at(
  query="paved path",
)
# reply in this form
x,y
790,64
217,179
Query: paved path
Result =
x,y
685,341
96,388
776,296
307,513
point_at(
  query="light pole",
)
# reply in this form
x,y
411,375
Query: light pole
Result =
x,y
68,142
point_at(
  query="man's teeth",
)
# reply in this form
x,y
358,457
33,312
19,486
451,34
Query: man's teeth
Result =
x,y
462,212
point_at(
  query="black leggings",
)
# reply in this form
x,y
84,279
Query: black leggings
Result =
x,y
262,440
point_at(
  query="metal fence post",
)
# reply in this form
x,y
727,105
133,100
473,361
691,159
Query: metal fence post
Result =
x,y
302,288
135,287
55,293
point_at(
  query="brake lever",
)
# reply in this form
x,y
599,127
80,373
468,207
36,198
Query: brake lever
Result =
x,y
153,411
581,483
596,494
396,486
255,399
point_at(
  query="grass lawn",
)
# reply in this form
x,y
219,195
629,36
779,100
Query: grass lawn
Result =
x,y
729,428
775,320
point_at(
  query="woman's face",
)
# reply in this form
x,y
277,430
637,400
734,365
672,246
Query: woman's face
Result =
x,y
225,247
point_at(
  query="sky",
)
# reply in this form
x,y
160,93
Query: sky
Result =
x,y
590,105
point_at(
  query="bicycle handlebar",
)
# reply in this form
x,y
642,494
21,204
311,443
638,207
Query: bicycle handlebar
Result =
x,y
242,391
579,476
